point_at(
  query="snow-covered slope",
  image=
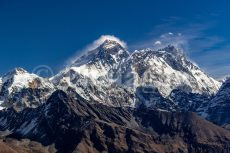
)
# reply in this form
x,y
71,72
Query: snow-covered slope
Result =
x,y
102,60
21,89
166,69
110,74
91,75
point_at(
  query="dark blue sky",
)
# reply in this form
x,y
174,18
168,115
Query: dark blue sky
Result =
x,y
48,32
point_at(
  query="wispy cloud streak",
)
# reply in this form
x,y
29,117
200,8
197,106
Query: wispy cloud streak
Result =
x,y
96,43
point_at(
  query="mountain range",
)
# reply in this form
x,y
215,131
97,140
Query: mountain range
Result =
x,y
113,100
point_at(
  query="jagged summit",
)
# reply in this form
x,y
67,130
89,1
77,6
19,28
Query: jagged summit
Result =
x,y
20,70
165,69
109,51
20,89
15,71
226,84
173,50
108,44
104,38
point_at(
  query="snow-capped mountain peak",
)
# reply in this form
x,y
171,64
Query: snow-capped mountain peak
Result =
x,y
17,85
108,44
16,71
110,74
110,70
166,69
19,78
109,51
98,62
16,79
173,50
91,75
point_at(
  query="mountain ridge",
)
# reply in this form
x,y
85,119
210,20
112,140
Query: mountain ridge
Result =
x,y
74,125
111,100
111,75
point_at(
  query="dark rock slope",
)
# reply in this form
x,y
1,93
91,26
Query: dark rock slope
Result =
x,y
218,108
73,125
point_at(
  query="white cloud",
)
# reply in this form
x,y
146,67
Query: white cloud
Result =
x,y
100,40
177,40
157,42
96,43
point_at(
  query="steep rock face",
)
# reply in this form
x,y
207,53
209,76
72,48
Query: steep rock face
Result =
x,y
217,109
149,96
196,132
21,89
75,125
185,100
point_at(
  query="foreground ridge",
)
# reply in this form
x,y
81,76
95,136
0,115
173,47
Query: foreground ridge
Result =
x,y
75,125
